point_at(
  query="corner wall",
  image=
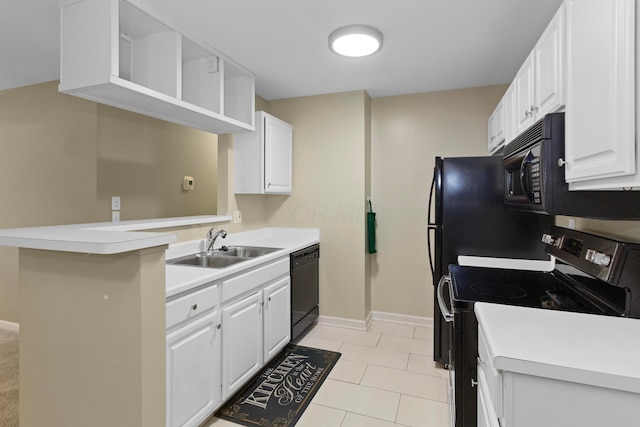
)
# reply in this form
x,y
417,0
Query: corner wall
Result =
x,y
329,192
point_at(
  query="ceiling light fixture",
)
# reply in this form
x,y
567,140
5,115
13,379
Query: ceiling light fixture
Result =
x,y
355,40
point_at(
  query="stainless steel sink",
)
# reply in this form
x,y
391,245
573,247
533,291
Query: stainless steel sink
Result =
x,y
245,251
221,258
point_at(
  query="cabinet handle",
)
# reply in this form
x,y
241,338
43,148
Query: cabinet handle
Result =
x,y
528,113
269,299
218,326
534,109
194,307
561,162
473,383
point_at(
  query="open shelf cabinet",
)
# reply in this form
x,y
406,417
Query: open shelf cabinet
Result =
x,y
121,53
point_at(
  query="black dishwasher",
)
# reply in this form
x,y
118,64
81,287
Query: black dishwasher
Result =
x,y
304,289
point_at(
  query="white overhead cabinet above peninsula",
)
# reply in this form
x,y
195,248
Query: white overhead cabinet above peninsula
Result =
x,y
121,53
263,158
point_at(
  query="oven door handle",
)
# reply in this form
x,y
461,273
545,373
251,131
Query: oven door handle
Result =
x,y
446,313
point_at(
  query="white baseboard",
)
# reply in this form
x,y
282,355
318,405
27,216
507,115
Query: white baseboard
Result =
x,y
343,322
402,318
9,325
363,325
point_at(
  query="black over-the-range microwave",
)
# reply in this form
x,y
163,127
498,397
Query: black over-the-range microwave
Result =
x,y
534,178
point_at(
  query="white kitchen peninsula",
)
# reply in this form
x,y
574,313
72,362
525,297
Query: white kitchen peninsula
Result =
x,y
554,368
92,321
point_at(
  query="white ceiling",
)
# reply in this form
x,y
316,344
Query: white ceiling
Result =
x,y
429,45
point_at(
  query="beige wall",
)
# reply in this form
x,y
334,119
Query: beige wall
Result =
x,y
329,192
47,169
623,230
64,157
407,133
143,160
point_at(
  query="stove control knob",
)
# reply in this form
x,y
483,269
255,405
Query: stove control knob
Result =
x,y
598,258
548,239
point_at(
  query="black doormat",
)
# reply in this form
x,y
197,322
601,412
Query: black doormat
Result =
x,y
282,391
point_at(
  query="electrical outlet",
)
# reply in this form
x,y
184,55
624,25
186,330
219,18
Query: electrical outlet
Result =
x,y
237,217
115,216
572,223
115,203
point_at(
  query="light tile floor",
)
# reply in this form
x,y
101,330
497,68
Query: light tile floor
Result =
x,y
385,377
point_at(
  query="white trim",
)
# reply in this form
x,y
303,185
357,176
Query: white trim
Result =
x,y
368,320
363,325
402,318
343,322
5,324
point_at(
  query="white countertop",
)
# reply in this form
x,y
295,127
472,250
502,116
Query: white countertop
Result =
x,y
101,238
583,348
181,278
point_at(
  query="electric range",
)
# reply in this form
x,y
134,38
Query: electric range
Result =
x,y
593,274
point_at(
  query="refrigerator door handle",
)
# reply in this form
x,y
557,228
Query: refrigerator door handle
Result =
x,y
447,315
431,225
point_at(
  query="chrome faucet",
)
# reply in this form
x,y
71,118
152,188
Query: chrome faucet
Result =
x,y
211,238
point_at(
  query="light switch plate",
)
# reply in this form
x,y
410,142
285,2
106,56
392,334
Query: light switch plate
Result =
x,y
237,217
115,203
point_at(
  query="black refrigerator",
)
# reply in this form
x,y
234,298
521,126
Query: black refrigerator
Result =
x,y
470,218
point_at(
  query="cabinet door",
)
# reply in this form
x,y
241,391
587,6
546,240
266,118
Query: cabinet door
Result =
x,y
278,137
491,128
486,414
600,117
525,103
277,317
550,66
193,372
241,342
509,114
496,127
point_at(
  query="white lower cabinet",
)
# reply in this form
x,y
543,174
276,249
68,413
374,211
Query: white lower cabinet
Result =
x,y
212,352
277,325
513,399
487,416
241,342
193,371
254,330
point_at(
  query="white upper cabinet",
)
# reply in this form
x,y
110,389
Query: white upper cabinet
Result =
x,y
550,66
123,54
540,82
601,118
263,159
525,103
509,108
537,89
497,127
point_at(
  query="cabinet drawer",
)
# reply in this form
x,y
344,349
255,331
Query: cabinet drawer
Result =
x,y
491,375
192,306
246,282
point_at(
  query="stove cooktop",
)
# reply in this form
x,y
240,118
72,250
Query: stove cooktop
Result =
x,y
549,290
